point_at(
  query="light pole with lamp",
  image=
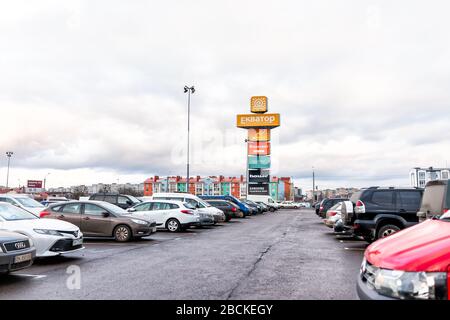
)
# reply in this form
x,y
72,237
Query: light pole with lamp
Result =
x,y
246,172
189,91
9,155
45,180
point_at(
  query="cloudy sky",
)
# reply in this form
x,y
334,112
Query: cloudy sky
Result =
x,y
92,91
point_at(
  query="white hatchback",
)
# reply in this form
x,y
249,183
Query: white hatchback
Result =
x,y
50,237
171,215
23,201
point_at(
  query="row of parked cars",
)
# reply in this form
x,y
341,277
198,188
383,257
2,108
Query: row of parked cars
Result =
x,y
410,230
29,229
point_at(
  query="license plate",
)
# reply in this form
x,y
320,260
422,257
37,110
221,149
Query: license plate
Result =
x,y
22,258
77,242
154,229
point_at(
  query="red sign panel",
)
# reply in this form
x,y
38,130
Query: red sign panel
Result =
x,y
259,148
35,184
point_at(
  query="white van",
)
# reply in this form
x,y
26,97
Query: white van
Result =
x,y
267,200
201,205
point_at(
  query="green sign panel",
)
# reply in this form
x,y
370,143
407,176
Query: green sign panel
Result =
x,y
259,162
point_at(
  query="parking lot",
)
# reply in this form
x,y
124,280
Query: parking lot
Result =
x,y
288,254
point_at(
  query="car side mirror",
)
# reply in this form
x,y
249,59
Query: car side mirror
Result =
x,y
105,214
132,210
129,202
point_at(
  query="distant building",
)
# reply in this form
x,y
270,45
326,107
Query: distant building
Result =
x,y
419,177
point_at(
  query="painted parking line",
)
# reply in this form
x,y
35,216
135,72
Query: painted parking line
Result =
x,y
355,249
34,276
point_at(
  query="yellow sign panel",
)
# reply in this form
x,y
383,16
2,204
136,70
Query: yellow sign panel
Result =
x,y
258,104
259,135
268,120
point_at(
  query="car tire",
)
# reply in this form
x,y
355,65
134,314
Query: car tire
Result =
x,y
173,225
227,218
272,209
387,230
122,233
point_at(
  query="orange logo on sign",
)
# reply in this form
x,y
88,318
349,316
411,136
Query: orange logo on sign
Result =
x,y
258,104
258,134
259,148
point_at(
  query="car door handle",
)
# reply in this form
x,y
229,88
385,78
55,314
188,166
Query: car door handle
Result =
x,y
402,210
86,218
61,216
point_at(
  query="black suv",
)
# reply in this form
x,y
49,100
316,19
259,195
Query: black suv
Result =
x,y
119,200
326,204
380,212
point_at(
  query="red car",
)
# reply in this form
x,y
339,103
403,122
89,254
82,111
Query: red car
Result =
x,y
411,264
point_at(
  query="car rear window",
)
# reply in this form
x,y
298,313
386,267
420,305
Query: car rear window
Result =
x,y
356,196
433,199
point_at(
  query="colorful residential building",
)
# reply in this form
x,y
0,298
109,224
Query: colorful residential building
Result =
x,y
280,188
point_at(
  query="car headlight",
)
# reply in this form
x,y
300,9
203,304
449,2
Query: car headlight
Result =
x,y
411,285
142,222
31,242
48,232
1,250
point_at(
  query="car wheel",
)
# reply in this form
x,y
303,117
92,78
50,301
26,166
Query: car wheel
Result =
x,y
387,230
173,225
272,209
227,218
122,233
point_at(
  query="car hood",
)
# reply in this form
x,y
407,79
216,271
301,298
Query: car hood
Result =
x,y
211,210
50,224
424,247
6,236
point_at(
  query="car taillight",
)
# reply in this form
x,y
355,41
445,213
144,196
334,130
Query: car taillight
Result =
x,y
187,211
359,203
445,211
44,214
332,213
321,208
233,209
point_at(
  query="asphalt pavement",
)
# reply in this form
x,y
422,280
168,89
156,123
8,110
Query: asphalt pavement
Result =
x,y
289,254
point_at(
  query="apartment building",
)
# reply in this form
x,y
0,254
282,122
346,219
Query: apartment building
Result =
x,y
419,177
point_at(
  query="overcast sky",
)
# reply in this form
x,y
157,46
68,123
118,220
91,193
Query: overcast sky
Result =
x,y
92,91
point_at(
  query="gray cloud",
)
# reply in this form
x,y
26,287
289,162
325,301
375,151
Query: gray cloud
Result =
x,y
96,85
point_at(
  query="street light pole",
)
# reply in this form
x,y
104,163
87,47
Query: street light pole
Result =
x,y
188,90
45,180
8,154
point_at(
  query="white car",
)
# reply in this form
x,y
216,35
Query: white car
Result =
x,y
23,201
171,215
289,205
201,205
50,237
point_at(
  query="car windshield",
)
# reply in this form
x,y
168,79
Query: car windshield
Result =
x,y
206,204
189,206
29,203
11,213
134,199
114,209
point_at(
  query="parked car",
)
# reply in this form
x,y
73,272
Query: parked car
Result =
x,y
16,252
264,206
411,264
257,208
242,206
435,200
50,237
289,205
333,215
267,200
23,201
326,204
119,200
230,209
100,219
204,208
51,200
380,212
172,215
